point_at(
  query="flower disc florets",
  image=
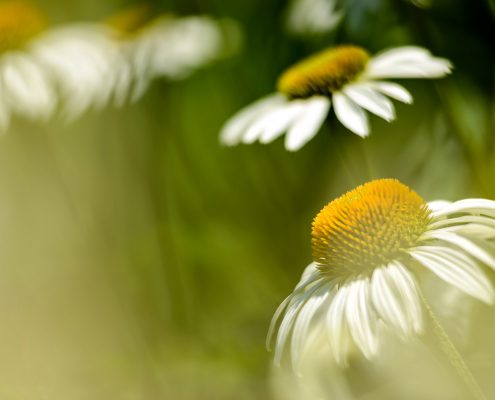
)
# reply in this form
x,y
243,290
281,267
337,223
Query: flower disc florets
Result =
x,y
368,227
324,72
19,22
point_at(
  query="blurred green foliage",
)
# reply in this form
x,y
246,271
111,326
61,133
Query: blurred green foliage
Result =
x,y
142,260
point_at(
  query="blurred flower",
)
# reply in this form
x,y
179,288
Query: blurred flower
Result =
x,y
84,63
345,74
25,87
312,16
169,46
366,244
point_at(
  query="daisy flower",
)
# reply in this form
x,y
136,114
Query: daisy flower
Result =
x,y
368,246
84,63
25,88
168,46
344,75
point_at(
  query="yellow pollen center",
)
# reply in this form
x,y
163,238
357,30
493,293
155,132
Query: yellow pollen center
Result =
x,y
324,72
367,227
19,22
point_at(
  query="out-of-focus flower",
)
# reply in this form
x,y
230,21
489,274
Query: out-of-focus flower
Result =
x,y
366,245
84,63
169,46
312,16
25,87
346,75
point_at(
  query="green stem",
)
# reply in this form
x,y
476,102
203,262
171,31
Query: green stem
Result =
x,y
453,355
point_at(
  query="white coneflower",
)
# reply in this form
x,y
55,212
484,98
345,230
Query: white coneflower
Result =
x,y
25,88
306,17
84,63
344,75
366,246
168,46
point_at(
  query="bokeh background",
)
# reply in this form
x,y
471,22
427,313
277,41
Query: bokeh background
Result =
x,y
140,259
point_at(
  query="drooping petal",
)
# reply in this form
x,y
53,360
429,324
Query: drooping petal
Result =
x,y
394,90
466,276
351,115
386,300
337,329
290,317
235,127
274,122
361,318
307,125
407,288
301,326
481,251
369,99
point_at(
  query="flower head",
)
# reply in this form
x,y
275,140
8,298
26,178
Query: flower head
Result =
x,y
367,247
344,75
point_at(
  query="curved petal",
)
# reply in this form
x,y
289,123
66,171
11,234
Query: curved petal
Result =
x,y
361,318
301,326
234,128
274,122
394,90
467,277
351,115
385,297
369,99
308,123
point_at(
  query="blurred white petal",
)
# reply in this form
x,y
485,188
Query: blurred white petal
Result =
x,y
351,115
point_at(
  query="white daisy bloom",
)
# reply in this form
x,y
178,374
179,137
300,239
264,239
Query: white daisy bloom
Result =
x,y
25,87
368,246
84,63
167,46
346,75
312,16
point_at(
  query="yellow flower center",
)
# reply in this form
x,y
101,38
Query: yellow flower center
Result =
x,y
368,227
19,22
324,72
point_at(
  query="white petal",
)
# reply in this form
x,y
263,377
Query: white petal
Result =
x,y
400,55
482,251
386,302
27,87
438,205
274,122
338,334
310,277
393,90
407,288
436,69
360,317
460,221
369,99
234,128
299,333
407,62
472,206
350,114
466,276
308,123
290,316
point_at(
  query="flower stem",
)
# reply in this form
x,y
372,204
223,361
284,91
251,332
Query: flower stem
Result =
x,y
453,355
